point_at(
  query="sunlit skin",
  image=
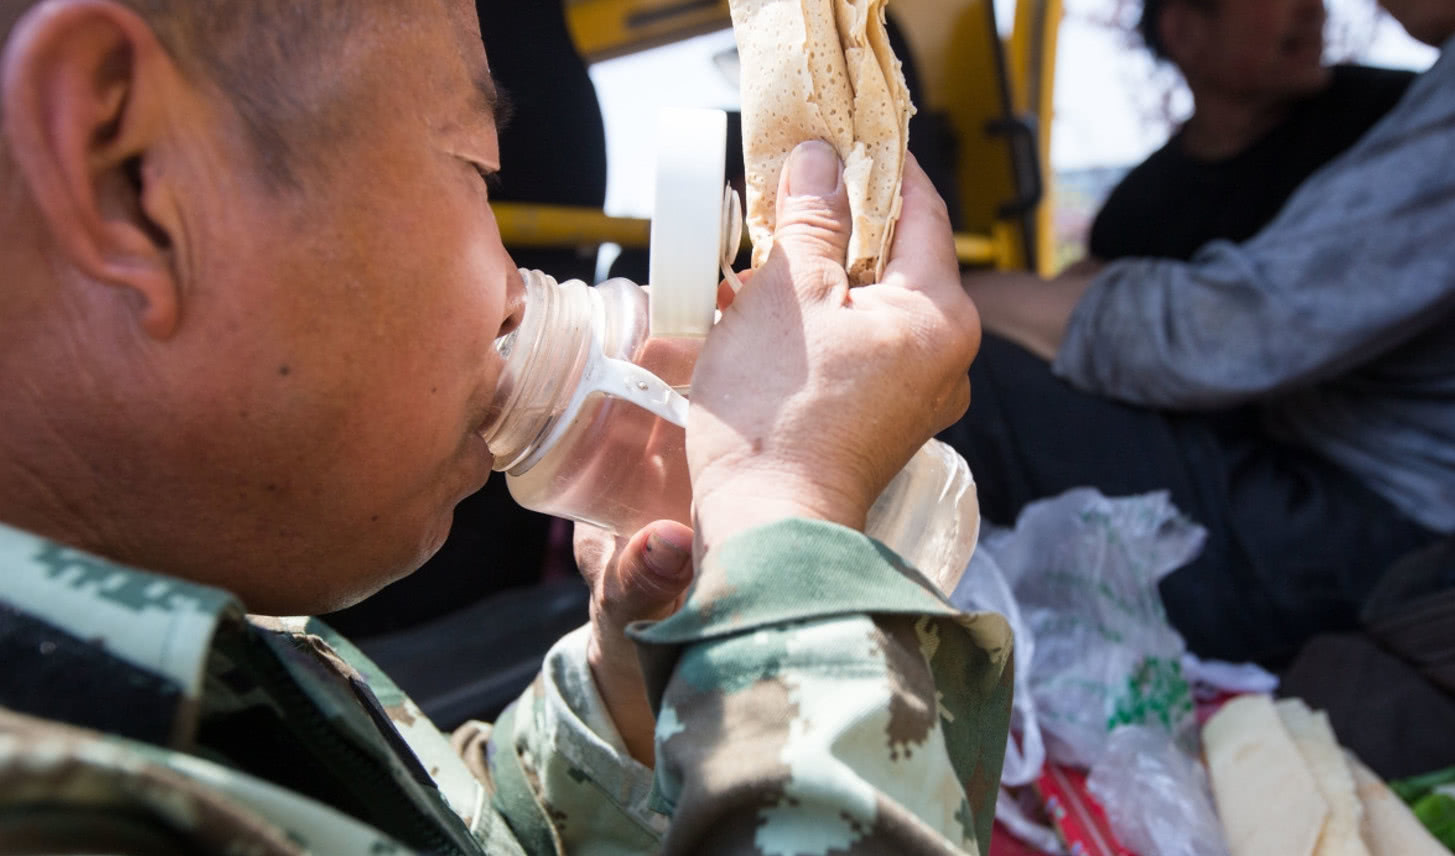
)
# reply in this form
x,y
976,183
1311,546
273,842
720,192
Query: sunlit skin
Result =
x,y
296,375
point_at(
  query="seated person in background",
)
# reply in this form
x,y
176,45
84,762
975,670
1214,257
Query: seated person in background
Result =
x,y
1266,114
237,377
1296,392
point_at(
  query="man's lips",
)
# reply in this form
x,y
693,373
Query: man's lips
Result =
x,y
480,434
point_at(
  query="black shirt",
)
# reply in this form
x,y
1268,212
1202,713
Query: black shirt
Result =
x,y
1173,204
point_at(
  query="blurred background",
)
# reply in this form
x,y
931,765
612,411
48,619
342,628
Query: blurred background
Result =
x,y
1116,108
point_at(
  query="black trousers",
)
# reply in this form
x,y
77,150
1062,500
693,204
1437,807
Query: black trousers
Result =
x,y
1294,545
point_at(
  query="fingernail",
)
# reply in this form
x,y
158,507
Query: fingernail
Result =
x,y
667,558
814,170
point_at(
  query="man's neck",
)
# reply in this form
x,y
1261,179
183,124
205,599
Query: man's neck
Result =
x,y
36,501
1223,126
49,485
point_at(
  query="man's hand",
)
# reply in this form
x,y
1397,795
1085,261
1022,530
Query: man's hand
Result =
x,y
809,396
632,579
1028,310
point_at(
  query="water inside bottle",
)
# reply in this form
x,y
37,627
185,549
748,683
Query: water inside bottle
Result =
x,y
618,466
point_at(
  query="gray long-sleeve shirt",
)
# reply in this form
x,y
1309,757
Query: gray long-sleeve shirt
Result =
x,y
1339,316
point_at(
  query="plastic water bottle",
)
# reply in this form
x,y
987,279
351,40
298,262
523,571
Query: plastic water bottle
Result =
x,y
589,425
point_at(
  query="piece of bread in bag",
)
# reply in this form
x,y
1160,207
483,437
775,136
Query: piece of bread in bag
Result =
x,y
823,69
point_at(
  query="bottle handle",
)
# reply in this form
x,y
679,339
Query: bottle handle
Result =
x,y
626,380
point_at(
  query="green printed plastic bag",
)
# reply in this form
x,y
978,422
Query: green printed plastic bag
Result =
x,y
1084,571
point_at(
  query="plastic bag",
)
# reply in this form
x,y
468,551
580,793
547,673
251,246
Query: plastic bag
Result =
x,y
1155,795
1010,814
1213,678
1084,571
1077,581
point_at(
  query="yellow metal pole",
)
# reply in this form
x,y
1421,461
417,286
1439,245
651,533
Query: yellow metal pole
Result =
x,y
603,29
537,226
979,251
1033,46
547,226
1046,117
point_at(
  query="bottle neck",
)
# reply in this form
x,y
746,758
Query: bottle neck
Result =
x,y
544,360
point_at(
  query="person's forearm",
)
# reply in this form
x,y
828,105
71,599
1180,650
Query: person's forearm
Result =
x,y
825,719
1027,310
808,676
558,746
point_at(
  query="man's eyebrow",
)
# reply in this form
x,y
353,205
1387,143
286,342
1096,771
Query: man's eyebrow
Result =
x,y
495,102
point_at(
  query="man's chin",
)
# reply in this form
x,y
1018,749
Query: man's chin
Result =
x,y
382,576
361,590
374,563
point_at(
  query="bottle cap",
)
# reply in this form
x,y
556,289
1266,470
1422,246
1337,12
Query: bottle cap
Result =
x,y
689,222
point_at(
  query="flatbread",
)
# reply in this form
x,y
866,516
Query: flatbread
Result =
x,y
824,70
1314,737
1390,828
1267,799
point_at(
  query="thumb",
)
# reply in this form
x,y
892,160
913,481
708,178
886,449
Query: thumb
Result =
x,y
813,207
650,576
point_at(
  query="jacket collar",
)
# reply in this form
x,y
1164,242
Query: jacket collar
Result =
x,y
158,626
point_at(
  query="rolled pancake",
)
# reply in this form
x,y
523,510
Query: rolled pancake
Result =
x,y
823,70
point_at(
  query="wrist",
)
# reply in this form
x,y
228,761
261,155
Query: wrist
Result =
x,y
1027,310
722,514
624,695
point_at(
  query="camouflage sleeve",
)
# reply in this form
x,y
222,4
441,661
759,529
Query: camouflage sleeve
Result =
x,y
816,695
558,772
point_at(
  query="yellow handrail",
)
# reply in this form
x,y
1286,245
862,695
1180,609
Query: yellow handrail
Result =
x,y
980,251
606,28
543,226
537,226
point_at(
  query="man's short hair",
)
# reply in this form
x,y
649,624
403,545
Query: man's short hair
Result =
x,y
269,58
1149,26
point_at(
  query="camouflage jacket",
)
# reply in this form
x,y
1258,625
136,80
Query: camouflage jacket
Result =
x,y
814,696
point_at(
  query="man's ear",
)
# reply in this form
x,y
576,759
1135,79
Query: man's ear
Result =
x,y
83,108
